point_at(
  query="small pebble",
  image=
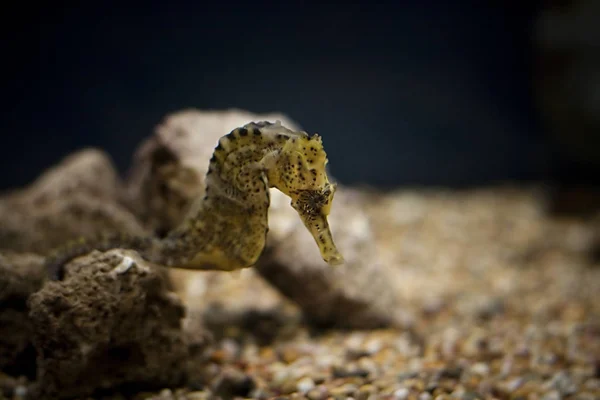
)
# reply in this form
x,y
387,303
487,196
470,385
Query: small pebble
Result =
x,y
553,395
305,384
425,396
197,396
365,392
318,393
471,396
349,371
480,369
401,393
343,391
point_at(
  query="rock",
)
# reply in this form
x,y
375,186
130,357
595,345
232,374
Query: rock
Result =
x,y
110,323
305,385
233,384
78,197
168,176
20,276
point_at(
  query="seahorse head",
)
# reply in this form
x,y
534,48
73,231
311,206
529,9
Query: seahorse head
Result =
x,y
300,173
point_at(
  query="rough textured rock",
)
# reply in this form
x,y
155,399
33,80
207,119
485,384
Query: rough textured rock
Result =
x,y
168,175
111,323
78,197
20,276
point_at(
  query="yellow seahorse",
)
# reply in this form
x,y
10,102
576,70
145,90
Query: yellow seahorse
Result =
x,y
227,228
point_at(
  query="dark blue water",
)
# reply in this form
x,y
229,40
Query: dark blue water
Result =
x,y
415,92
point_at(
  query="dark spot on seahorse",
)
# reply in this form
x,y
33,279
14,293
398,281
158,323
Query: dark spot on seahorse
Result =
x,y
257,132
233,135
280,136
243,132
219,147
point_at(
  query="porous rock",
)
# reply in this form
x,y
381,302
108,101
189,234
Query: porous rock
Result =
x,y
168,175
79,197
20,276
111,323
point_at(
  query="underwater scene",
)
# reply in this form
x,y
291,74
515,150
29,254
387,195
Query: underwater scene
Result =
x,y
342,226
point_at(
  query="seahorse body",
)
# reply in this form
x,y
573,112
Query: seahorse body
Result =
x,y
227,229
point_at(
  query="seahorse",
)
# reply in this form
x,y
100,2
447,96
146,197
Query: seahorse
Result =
x,y
226,229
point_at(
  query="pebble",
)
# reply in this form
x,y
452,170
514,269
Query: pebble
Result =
x,y
348,371
553,395
471,396
365,392
563,383
480,369
425,396
341,392
373,346
318,393
514,384
197,396
401,393
305,384
233,382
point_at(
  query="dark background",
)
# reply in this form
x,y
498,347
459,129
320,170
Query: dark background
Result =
x,y
414,92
